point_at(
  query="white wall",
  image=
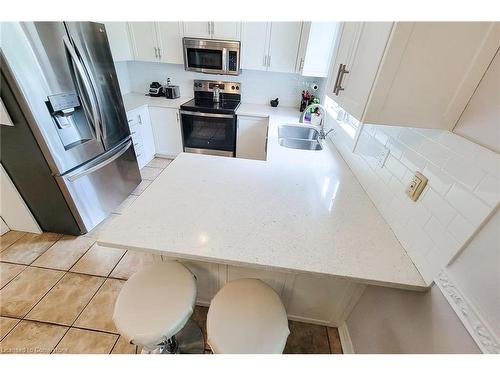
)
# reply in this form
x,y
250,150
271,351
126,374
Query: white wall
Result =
x,y
257,86
463,188
395,321
477,273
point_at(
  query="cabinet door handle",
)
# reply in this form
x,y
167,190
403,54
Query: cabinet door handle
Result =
x,y
301,65
159,53
338,81
140,119
268,61
156,52
209,29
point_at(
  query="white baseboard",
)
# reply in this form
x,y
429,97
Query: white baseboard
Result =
x,y
345,339
303,319
482,334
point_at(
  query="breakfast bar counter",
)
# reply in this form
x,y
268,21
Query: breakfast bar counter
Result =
x,y
299,211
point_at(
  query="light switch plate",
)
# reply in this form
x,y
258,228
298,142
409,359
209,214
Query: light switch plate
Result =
x,y
382,156
416,186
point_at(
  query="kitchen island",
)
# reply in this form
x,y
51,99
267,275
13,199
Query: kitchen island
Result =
x,y
300,214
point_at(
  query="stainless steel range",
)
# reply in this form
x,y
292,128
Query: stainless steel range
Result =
x,y
209,120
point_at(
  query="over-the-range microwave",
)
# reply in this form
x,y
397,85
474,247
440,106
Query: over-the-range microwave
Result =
x,y
212,56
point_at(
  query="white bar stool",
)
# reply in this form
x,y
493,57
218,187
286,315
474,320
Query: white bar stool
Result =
x,y
154,307
247,317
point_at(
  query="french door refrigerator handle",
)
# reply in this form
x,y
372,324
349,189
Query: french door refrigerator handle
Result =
x,y
115,154
87,86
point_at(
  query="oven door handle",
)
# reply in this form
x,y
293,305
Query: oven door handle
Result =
x,y
203,114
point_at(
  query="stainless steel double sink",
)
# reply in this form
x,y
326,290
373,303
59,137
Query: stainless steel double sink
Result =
x,y
299,137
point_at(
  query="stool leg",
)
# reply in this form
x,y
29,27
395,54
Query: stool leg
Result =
x,y
190,339
170,346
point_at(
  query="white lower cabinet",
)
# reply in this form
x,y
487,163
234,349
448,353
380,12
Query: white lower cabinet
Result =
x,y
251,137
275,280
142,135
320,299
167,131
307,298
207,280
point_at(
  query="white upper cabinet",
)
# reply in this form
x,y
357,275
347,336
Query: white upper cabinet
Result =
x,y
430,72
358,57
254,45
316,47
144,41
283,46
271,46
198,29
157,41
119,40
417,74
170,42
213,30
226,30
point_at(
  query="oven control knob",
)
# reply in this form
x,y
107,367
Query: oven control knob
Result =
x,y
237,87
232,87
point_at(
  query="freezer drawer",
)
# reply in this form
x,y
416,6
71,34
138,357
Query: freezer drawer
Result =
x,y
98,188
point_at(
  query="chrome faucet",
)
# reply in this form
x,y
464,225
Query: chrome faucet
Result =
x,y
322,134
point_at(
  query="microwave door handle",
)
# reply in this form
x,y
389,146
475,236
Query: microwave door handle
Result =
x,y
224,60
84,86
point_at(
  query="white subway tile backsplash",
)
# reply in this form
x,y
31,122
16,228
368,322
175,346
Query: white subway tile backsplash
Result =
x,y
488,161
439,208
462,190
397,187
381,137
446,245
413,161
395,167
464,171
430,133
438,180
467,204
419,214
257,86
459,145
396,148
461,229
411,138
391,131
489,190
434,152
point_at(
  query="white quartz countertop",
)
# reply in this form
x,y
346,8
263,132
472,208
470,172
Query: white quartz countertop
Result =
x,y
135,100
300,211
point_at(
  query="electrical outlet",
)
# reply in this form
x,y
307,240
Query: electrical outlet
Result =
x,y
416,186
382,156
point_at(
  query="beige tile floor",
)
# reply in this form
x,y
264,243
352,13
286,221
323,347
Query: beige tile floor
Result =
x,y
57,294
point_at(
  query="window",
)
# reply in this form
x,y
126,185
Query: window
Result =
x,y
345,121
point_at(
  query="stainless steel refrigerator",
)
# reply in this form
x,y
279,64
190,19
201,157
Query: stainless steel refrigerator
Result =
x,y
69,151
